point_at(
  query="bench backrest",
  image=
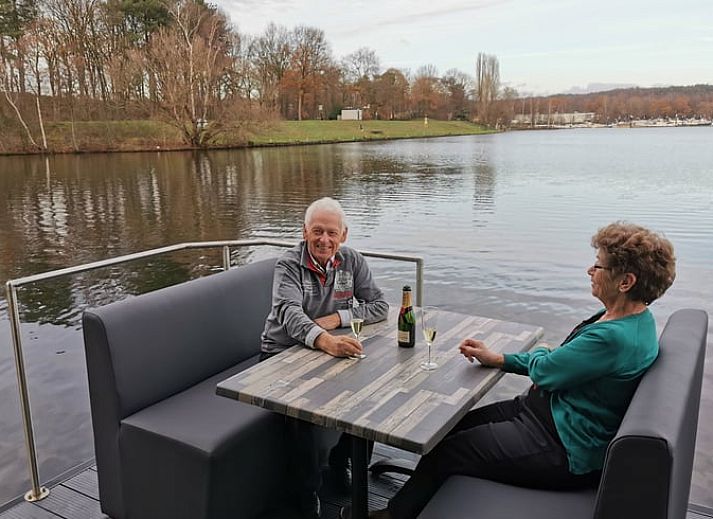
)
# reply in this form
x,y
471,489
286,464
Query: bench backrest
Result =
x,y
648,466
147,348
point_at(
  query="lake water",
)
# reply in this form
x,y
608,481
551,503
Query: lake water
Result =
x,y
503,223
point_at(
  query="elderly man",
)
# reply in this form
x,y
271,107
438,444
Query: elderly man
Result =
x,y
314,286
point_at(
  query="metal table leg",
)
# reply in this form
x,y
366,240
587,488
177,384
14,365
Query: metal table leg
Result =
x,y
360,482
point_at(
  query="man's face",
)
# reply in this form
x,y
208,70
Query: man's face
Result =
x,y
324,235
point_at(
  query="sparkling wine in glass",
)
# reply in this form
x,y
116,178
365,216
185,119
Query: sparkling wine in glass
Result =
x,y
357,325
429,324
356,321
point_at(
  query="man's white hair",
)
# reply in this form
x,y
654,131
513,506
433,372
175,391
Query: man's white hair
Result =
x,y
328,205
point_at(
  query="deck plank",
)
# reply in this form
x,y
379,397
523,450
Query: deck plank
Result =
x,y
699,512
77,497
27,511
85,483
70,504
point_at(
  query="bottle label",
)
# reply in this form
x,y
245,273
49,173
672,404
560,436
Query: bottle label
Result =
x,y
404,336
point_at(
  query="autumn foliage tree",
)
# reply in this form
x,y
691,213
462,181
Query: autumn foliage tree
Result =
x,y
392,94
182,61
622,105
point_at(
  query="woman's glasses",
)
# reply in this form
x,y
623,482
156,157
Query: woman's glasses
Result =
x,y
600,267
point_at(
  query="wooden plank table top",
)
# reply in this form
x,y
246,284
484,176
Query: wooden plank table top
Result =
x,y
385,397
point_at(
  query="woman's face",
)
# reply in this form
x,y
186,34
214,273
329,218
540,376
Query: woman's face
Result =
x,y
604,286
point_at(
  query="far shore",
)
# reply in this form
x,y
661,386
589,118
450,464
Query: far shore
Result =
x,y
141,136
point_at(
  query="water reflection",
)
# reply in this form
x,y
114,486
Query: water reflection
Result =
x,y
484,188
68,210
503,223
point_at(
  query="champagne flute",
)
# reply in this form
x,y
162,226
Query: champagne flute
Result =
x,y
429,324
356,320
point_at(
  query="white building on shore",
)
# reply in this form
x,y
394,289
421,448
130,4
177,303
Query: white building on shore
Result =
x,y
554,119
351,114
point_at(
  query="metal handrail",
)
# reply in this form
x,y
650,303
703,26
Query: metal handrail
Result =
x,y
39,492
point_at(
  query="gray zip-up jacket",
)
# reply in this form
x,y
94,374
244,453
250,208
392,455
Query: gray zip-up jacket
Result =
x,y
301,293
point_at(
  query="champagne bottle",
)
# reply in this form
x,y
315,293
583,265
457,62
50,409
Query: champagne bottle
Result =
x,y
407,321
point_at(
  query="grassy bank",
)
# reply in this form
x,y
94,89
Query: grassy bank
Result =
x,y
299,132
107,136
96,136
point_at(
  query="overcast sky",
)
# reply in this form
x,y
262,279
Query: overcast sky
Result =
x,y
544,46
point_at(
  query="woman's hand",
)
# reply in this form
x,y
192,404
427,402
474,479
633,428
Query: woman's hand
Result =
x,y
473,349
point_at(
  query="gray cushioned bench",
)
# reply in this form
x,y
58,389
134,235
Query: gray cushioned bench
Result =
x,y
648,465
166,445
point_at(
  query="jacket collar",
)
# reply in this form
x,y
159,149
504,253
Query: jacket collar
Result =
x,y
312,264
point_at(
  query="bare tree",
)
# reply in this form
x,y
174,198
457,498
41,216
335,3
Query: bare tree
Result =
x,y
359,70
310,57
190,61
34,57
487,85
11,96
362,63
74,19
129,26
506,106
271,60
243,80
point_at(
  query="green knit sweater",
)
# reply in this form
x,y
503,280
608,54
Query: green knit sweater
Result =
x,y
592,377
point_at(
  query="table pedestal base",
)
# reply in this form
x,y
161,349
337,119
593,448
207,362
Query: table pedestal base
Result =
x,y
360,482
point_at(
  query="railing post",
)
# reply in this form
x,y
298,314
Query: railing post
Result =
x,y
37,492
226,257
419,282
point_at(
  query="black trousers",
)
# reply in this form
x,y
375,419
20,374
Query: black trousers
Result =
x,y
503,442
304,462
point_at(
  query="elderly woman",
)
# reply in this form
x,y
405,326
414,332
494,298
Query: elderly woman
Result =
x,y
555,435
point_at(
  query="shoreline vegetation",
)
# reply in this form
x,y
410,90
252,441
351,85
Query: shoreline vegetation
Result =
x,y
120,67
108,76
144,135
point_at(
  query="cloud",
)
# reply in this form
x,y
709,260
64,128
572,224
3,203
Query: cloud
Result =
x,y
244,4
402,19
573,51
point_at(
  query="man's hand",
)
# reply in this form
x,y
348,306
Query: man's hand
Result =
x,y
338,345
477,350
329,322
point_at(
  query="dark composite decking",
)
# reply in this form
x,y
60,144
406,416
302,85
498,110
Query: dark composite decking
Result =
x,y
78,497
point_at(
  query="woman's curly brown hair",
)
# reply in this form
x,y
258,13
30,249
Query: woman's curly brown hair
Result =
x,y
635,249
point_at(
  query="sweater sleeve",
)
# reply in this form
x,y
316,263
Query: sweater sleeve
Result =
x,y
376,308
586,357
518,363
287,299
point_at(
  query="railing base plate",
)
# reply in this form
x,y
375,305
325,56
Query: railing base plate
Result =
x,y
31,497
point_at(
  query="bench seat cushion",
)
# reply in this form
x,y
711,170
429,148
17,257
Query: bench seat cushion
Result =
x,y
198,417
463,496
200,439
